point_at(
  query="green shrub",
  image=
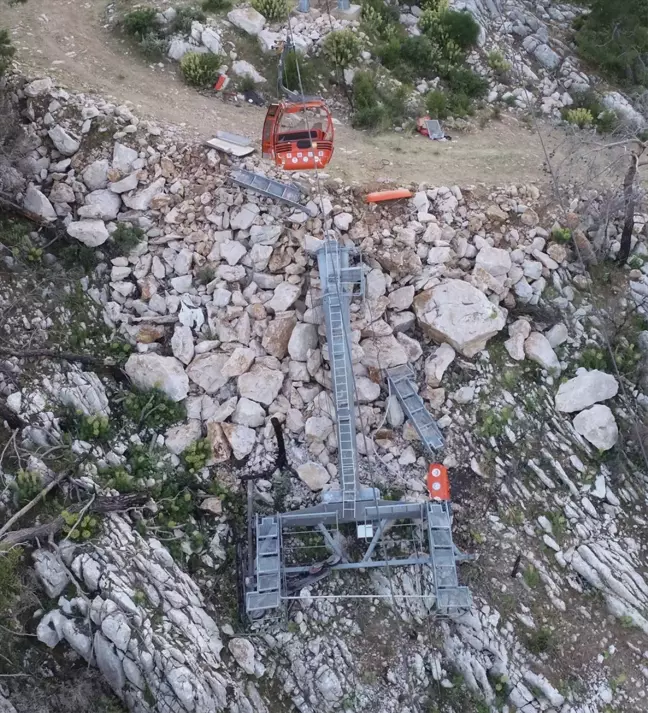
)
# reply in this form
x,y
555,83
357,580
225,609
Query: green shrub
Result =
x,y
342,47
195,457
140,23
123,240
379,19
80,530
531,576
579,117
87,428
607,121
271,9
436,103
460,105
184,17
200,70
153,46
307,74
540,641
561,235
26,486
10,584
461,27
464,81
246,84
375,107
153,409
497,62
6,51
435,5
216,6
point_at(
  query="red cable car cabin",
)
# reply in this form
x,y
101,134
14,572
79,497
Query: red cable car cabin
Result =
x,y
298,135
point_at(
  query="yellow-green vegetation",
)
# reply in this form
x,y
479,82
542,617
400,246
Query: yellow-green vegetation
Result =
x,y
497,62
26,486
10,584
216,6
491,423
531,576
561,235
200,69
540,641
342,47
195,457
80,528
153,409
95,427
271,9
123,240
579,117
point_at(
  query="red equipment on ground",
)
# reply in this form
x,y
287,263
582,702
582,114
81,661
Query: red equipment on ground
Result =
x,y
438,483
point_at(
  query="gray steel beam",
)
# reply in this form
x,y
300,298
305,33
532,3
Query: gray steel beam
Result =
x,y
330,541
406,562
374,540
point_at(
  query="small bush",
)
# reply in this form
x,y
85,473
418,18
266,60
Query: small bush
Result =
x,y
540,641
6,51
184,17
10,584
459,105
436,103
271,9
497,62
153,409
246,84
435,5
200,70
342,47
216,6
26,486
140,23
464,81
87,428
375,107
579,117
561,235
461,27
607,121
379,19
531,576
195,457
153,46
307,74
80,530
123,240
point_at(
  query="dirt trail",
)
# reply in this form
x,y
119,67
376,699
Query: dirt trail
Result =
x,y
70,40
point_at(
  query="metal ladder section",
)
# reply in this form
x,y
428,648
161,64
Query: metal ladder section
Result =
x,y
450,597
267,594
401,379
286,192
336,277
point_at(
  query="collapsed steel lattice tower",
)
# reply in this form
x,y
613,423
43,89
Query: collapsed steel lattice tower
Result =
x,y
273,578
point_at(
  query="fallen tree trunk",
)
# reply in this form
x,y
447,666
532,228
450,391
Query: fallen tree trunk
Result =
x,y
100,506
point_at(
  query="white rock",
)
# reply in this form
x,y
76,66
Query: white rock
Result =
x,y
38,203
232,251
142,199
623,108
243,219
123,158
464,395
367,389
212,41
435,367
546,56
343,221
247,19
395,415
65,144
268,40
95,176
495,261
383,352
459,314
241,68
182,344
178,438
585,389
206,370
538,349
260,384
61,193
148,371
89,232
242,649
318,428
314,475
51,572
402,298
241,439
49,632
126,184
557,335
38,87
285,295
249,413
178,48
303,338
100,205
239,362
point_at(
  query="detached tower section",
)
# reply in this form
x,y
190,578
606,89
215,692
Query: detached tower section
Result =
x,y
298,548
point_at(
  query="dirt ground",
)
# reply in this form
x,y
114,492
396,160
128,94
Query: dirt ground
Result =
x,y
71,41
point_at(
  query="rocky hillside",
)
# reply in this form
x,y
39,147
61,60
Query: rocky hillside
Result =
x,y
156,318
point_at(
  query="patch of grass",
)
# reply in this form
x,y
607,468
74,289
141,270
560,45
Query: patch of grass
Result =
x,y
10,584
491,423
153,46
87,428
216,6
540,641
26,486
580,117
497,62
531,576
627,622
153,409
123,240
558,525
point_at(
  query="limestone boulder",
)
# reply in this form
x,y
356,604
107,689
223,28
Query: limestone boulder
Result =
x,y
598,426
260,384
89,232
206,370
149,371
585,389
314,475
36,202
459,314
538,348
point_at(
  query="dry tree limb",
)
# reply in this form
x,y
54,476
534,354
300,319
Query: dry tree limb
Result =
x,y
51,354
8,204
102,506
